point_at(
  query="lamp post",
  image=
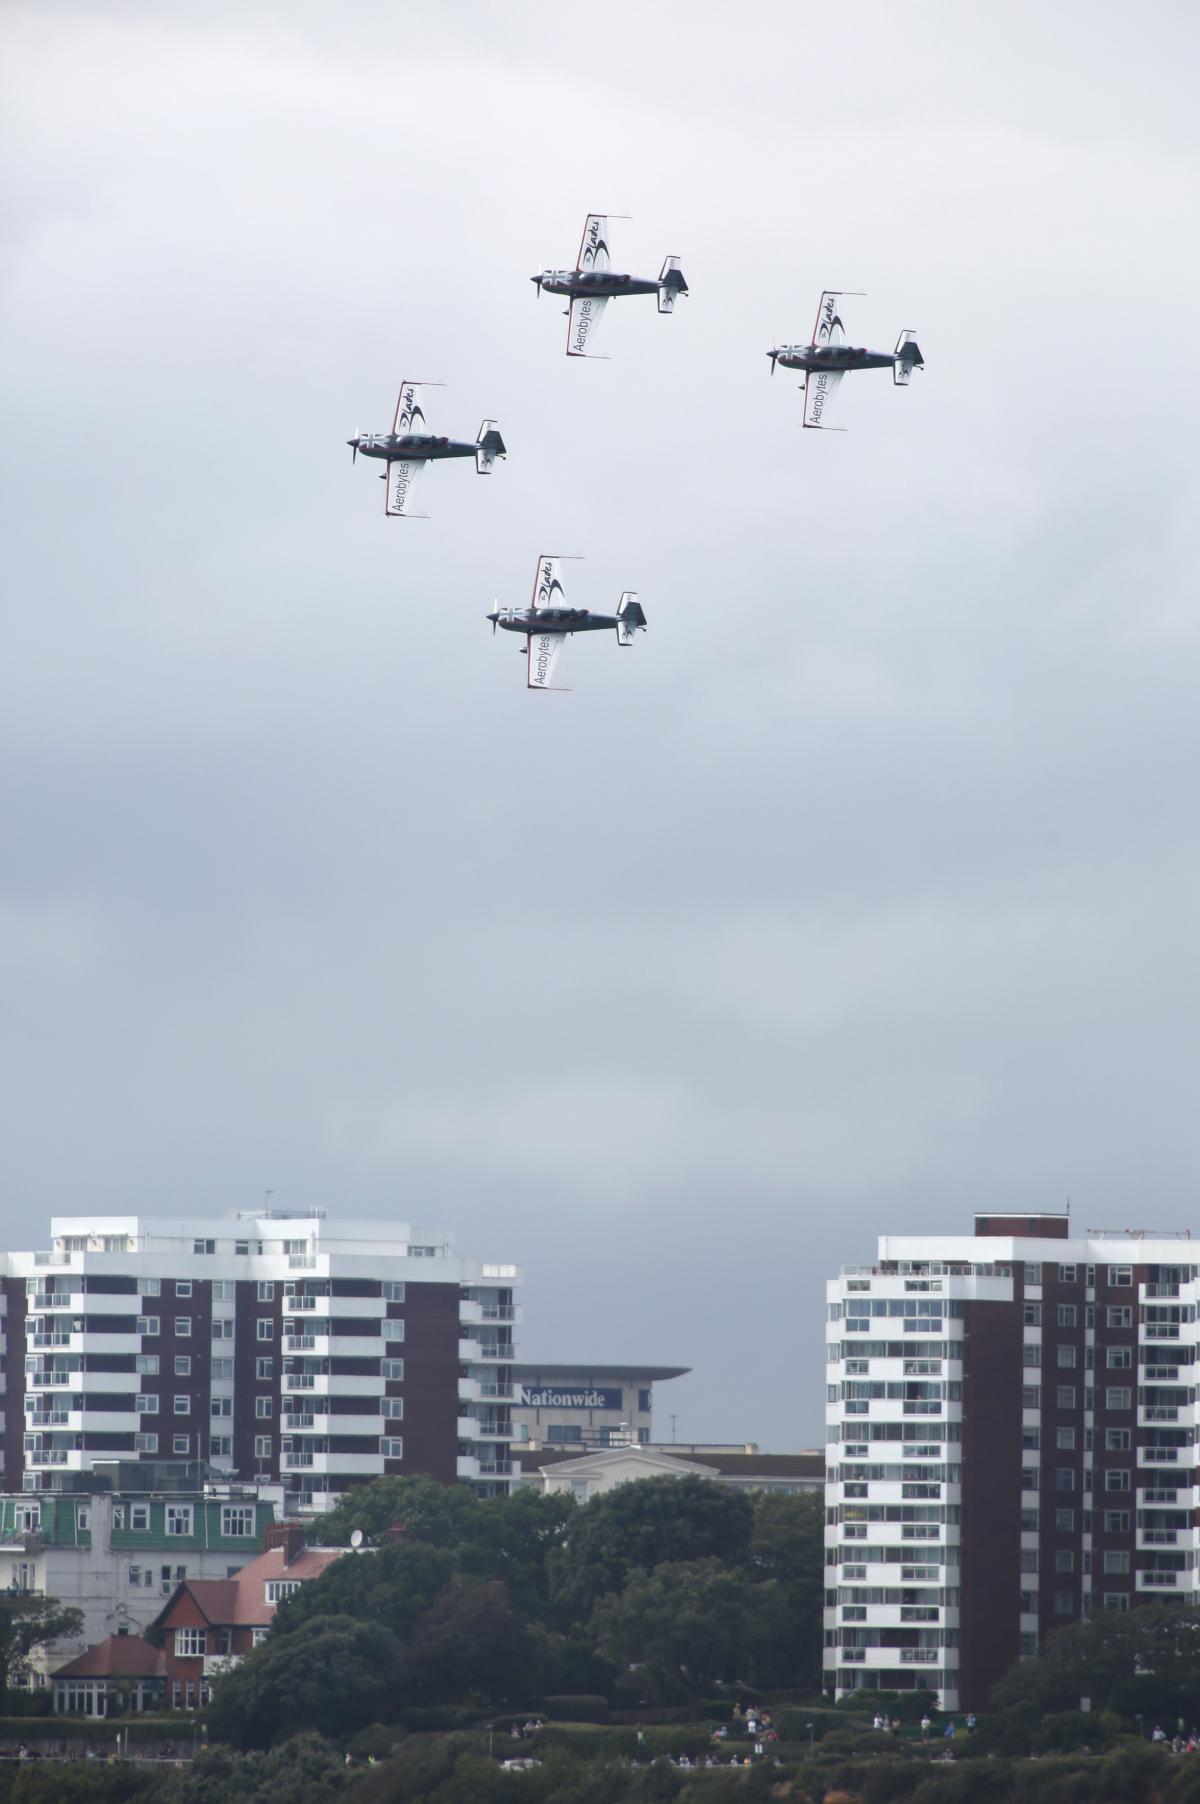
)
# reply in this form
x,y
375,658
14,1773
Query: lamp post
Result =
x,y
809,1727
491,1729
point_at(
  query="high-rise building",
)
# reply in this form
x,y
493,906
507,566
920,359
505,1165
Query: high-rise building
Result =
x,y
272,1346
1012,1446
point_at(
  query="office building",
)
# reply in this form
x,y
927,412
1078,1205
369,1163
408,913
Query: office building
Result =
x,y
1011,1446
268,1346
584,1475
586,1405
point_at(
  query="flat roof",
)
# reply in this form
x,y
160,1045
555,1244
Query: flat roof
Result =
x,y
581,1369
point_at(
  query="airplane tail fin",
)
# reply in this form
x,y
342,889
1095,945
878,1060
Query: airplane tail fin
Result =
x,y
489,446
670,285
907,353
630,618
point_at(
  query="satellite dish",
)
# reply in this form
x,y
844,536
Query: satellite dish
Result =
x,y
356,1539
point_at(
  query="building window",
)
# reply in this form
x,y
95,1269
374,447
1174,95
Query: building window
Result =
x,y
266,1290
220,1446
1033,1315
83,1516
181,1443
223,1290
1064,1478
1031,1438
1028,1644
1029,1522
179,1518
237,1521
146,1362
1118,1397
183,1405
1064,1521
393,1408
221,1368
1029,1559
1120,1274
1064,1439
220,1406
183,1327
222,1327
1066,1315
1116,1600
571,1431
1031,1356
1120,1357
1116,1481
183,1365
1068,1274
393,1293
264,1368
1120,1316
148,1324
1068,1356
392,1328
391,1447
146,1405
1064,1603
1066,1396
258,1636
278,1589
392,1369
1118,1440
242,1248
266,1328
183,1287
139,1518
204,1246
144,1443
149,1287
262,1446
1033,1271
1116,1561
264,1407
1116,1522
1031,1396
1064,1560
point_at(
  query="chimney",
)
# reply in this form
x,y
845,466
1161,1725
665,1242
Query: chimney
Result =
x,y
288,1535
394,1534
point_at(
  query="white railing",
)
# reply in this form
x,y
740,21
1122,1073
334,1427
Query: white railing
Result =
x,y
299,1381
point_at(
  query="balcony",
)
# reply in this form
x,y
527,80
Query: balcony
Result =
x,y
48,1418
305,1421
1157,1537
494,1468
497,1312
486,1388
299,1381
299,1343
916,1656
496,1350
1159,1581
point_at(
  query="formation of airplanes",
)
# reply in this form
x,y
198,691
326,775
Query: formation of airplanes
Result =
x,y
548,622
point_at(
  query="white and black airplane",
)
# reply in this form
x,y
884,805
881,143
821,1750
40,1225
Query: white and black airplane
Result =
x,y
826,360
408,447
547,622
593,284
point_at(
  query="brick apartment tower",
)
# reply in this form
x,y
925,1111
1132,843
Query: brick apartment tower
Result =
x,y
269,1346
1012,1427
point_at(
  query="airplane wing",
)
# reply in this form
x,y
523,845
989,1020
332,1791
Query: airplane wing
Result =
x,y
593,246
402,473
829,329
410,413
544,649
547,584
819,389
582,320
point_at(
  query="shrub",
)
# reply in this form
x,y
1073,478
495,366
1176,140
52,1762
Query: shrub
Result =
x,y
586,1707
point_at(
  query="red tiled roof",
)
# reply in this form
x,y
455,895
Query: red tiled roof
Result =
x,y
241,1601
116,1657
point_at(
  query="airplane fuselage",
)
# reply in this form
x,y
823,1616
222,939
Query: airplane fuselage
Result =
x,y
832,357
593,283
395,445
553,620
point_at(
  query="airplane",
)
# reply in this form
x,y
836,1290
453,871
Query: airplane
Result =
x,y
826,360
547,622
592,284
408,447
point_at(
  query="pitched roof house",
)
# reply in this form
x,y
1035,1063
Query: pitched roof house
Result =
x,y
120,1666
209,1624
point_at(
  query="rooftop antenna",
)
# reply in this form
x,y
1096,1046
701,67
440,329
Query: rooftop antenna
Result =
x,y
673,1420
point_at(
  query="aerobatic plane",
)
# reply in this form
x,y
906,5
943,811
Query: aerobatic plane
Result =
x,y
593,284
826,360
548,621
408,447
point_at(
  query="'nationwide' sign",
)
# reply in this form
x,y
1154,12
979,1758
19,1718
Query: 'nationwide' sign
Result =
x,y
547,1397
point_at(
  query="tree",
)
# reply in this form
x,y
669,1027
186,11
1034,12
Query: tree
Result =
x,y
787,1544
472,1642
394,1585
642,1525
330,1673
27,1623
438,1514
683,1626
1146,1659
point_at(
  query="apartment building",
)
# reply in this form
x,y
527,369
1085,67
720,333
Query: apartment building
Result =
x,y
271,1346
1011,1446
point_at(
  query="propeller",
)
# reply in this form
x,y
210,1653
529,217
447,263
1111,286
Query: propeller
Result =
x,y
772,355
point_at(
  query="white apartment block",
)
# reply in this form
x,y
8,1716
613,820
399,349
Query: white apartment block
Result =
x,y
270,1346
1012,1424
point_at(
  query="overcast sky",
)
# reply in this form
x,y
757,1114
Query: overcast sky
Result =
x,y
862,893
